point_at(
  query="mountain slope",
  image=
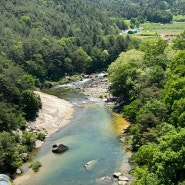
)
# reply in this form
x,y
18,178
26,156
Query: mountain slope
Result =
x,y
151,10
51,38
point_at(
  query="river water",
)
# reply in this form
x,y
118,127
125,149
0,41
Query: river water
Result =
x,y
92,134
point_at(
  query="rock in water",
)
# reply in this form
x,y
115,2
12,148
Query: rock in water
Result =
x,y
89,164
117,174
59,148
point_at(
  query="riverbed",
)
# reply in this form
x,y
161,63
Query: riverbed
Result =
x,y
92,134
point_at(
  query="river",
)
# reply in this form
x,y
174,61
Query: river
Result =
x,y
92,134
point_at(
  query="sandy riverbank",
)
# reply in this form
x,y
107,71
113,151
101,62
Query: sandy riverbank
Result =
x,y
55,113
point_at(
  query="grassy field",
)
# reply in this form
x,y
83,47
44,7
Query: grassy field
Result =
x,y
179,18
173,28
148,33
167,31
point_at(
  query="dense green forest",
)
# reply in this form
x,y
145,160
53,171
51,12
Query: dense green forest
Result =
x,y
49,39
18,103
150,85
150,10
45,40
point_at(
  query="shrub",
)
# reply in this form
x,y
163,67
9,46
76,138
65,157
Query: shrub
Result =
x,y
101,96
41,136
35,165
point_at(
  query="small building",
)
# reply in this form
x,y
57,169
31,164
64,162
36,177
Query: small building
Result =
x,y
133,31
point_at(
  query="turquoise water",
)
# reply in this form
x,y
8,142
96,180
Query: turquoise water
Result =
x,y
90,135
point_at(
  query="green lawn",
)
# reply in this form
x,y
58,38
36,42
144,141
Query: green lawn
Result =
x,y
179,18
173,28
148,33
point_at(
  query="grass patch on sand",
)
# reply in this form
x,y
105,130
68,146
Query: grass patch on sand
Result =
x,y
35,165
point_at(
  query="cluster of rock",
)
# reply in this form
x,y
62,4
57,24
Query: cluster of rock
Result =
x,y
33,129
117,178
121,178
25,155
36,130
96,85
125,135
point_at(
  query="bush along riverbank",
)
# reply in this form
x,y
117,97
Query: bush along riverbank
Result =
x,y
150,84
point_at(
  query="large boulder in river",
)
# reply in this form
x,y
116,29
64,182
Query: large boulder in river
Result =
x,y
59,148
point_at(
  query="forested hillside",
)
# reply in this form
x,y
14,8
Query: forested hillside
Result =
x,y
44,40
150,84
149,10
52,38
18,103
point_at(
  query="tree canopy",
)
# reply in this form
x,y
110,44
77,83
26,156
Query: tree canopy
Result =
x,y
45,40
156,109
18,103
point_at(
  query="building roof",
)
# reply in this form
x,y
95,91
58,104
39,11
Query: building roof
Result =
x,y
132,31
